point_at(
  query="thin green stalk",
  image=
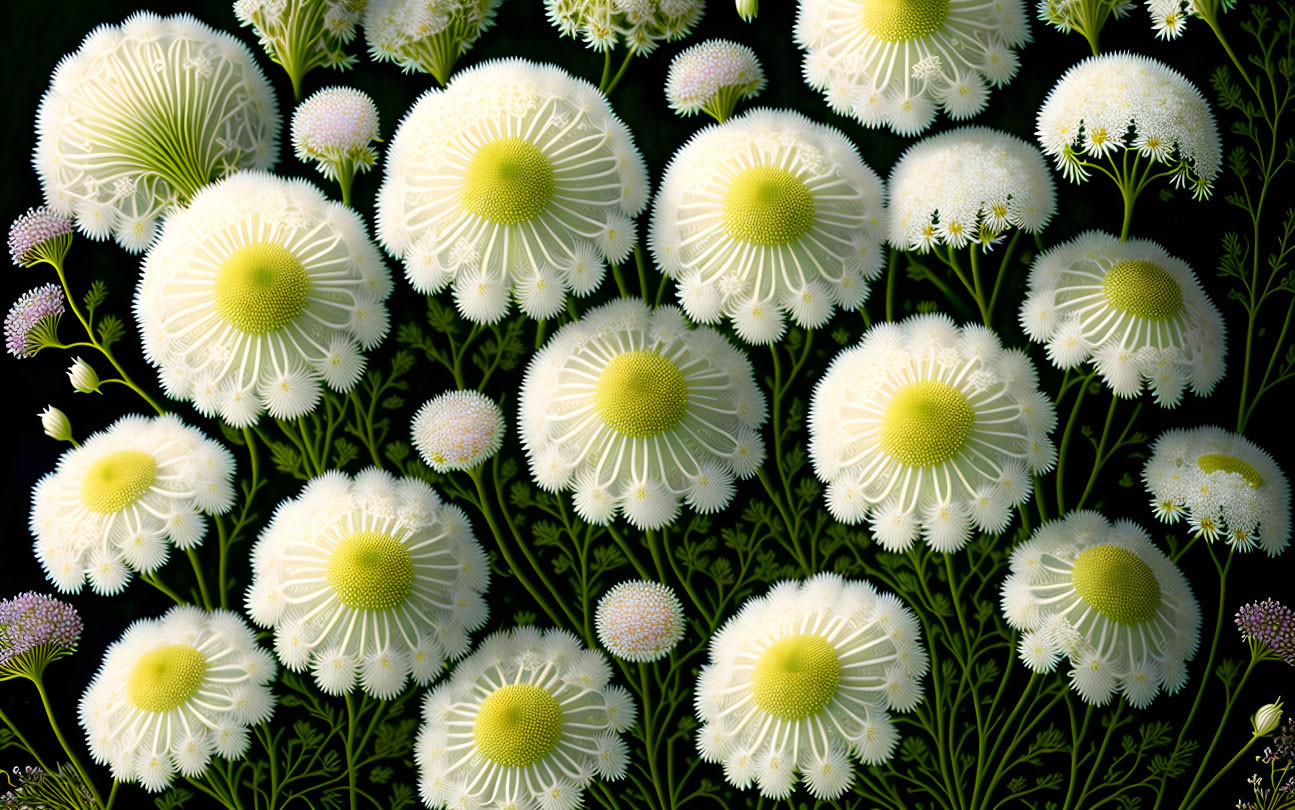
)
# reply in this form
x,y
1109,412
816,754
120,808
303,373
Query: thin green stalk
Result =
x,y
1218,734
351,770
1065,442
58,734
1098,460
619,74
18,735
648,739
1217,776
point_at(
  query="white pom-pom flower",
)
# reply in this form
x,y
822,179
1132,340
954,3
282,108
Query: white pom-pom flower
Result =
x,y
766,215
335,128
639,620
1223,485
634,410
368,582
529,719
301,35
640,24
516,177
804,679
423,36
144,114
712,77
174,691
458,430
1108,600
1138,313
255,293
120,501
927,427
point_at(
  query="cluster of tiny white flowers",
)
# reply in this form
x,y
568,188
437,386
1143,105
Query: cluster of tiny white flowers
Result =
x,y
426,36
639,620
640,24
1071,15
335,128
458,430
712,76
303,33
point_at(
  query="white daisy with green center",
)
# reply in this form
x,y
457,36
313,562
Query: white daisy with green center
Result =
x,y
368,582
142,116
1224,485
428,37
803,679
765,216
641,25
119,502
634,410
896,62
529,719
174,691
1104,597
256,293
1139,314
516,179
929,428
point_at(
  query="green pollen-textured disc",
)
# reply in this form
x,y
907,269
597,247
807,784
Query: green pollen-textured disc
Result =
x,y
117,480
641,394
1117,583
1214,462
903,20
1144,289
165,677
796,676
517,725
261,288
926,423
509,180
768,206
371,571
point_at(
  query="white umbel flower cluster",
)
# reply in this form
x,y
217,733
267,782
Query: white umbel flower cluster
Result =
x,y
639,620
711,77
1138,313
766,216
424,36
803,680
335,129
1108,600
458,430
634,410
640,24
517,178
929,428
897,63
175,691
967,185
255,293
120,501
1224,485
109,128
368,582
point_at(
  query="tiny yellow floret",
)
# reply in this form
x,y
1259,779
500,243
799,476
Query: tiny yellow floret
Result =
x,y
768,206
1144,289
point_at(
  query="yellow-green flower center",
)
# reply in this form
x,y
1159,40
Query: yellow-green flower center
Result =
x,y
509,180
1213,462
1144,289
165,677
117,480
926,423
1117,583
517,725
796,676
641,394
371,571
768,206
903,20
261,288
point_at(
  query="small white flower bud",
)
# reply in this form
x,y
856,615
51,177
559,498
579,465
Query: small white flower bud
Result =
x,y
1266,720
82,377
747,9
56,424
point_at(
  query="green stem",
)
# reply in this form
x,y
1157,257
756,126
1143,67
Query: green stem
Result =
x,y
648,739
67,749
27,746
1065,442
345,177
197,574
1098,460
1218,734
620,73
1223,770
351,770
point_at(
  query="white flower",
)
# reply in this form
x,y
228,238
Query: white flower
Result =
x,y
747,9
55,424
83,377
302,35
927,426
1223,484
529,719
174,691
1109,601
711,77
640,24
768,214
517,177
256,292
1138,313
1169,17
334,128
804,679
372,580
117,503
458,430
969,184
423,36
634,410
1084,16
895,64
144,114
639,620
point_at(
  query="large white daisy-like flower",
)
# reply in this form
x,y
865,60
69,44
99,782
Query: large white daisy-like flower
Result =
x,y
371,581
768,214
528,720
967,185
1224,485
117,503
640,24
803,679
301,35
256,292
1108,600
144,114
896,62
1138,313
174,691
516,177
633,410
929,428
423,36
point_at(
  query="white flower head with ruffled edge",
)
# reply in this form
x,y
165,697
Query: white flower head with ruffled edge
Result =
x,y
427,37
334,128
641,25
